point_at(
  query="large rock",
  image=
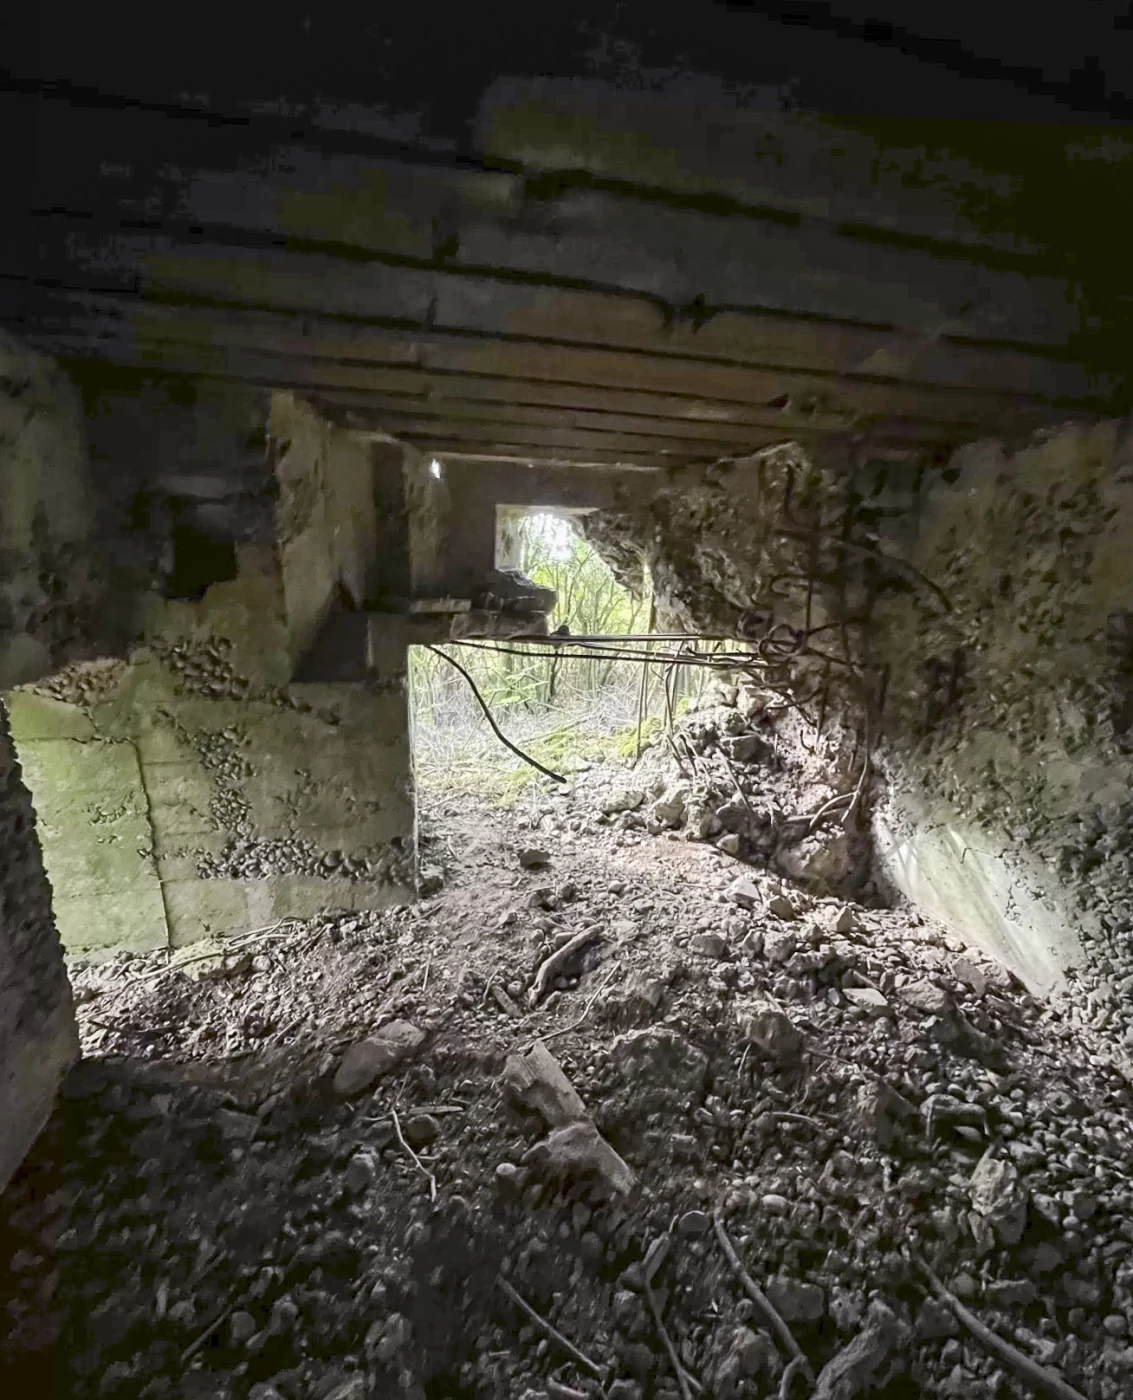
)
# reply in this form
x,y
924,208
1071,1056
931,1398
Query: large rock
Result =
x,y
669,810
622,800
749,1355
796,1301
535,1079
955,1032
773,1033
577,1150
365,1063
746,893
867,999
878,1110
859,1367
926,996
1000,1197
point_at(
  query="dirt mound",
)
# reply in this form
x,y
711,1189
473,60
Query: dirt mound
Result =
x,y
820,1107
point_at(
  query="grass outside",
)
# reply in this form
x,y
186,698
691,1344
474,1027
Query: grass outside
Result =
x,y
568,713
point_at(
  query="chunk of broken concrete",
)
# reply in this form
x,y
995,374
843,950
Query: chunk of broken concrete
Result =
x,y
877,1111
966,971
773,1033
669,810
926,996
779,945
997,1193
535,1079
370,1059
858,1368
847,920
579,1149
746,893
623,800
868,998
795,1300
955,1032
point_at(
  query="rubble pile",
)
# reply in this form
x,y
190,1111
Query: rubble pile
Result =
x,y
745,773
611,1115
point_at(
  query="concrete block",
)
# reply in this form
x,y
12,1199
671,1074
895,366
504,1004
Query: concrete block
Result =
x,y
175,786
95,834
131,917
159,743
200,908
35,717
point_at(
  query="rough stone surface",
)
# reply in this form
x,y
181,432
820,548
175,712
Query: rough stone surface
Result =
x,y
190,787
997,1194
856,1369
365,1063
773,1033
1002,768
38,1039
324,1230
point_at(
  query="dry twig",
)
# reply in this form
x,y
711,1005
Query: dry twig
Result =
x,y
552,1332
758,1297
202,1337
654,1258
801,1118
1039,1377
420,1165
788,1378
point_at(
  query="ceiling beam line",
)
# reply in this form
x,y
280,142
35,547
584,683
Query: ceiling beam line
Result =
x,y
24,320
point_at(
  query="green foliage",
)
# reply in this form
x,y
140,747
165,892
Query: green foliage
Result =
x,y
564,711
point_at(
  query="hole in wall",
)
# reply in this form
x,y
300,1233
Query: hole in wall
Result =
x,y
569,711
200,559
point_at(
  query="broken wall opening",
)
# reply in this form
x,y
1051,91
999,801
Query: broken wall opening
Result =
x,y
567,707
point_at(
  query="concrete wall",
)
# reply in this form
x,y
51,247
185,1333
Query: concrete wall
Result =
x,y
38,1041
185,783
1009,736
46,590
454,519
190,788
988,623
50,585
326,518
193,791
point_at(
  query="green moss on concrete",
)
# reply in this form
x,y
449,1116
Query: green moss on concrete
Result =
x,y
97,841
200,749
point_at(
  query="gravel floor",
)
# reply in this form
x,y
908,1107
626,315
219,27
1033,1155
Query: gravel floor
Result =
x,y
311,1164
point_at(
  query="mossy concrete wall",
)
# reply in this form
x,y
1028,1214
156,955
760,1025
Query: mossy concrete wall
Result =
x,y
1008,734
189,786
185,783
46,590
38,1040
192,789
979,611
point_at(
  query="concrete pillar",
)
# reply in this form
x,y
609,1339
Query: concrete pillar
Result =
x,y
38,1040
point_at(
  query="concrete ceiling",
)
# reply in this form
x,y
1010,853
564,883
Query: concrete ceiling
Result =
x,y
573,269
